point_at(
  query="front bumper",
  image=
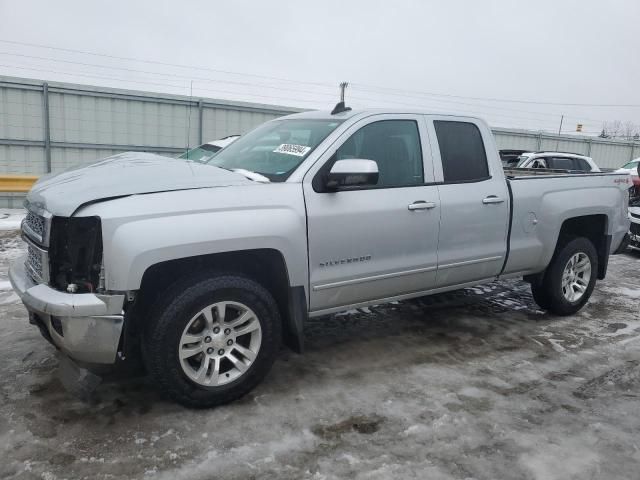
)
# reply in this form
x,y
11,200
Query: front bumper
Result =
x,y
85,326
634,234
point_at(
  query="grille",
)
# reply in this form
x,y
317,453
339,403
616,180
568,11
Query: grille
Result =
x,y
36,263
635,228
35,226
635,215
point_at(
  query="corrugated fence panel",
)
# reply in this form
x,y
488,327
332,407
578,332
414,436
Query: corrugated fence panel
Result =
x,y
21,114
64,158
506,140
76,118
19,160
612,155
565,145
222,122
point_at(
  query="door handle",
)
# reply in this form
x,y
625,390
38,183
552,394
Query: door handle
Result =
x,y
492,199
421,205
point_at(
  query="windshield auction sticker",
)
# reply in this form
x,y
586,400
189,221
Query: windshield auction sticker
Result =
x,y
291,149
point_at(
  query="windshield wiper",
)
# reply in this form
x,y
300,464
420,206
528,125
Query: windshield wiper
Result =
x,y
255,176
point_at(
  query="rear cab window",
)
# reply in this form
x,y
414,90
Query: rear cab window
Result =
x,y
462,151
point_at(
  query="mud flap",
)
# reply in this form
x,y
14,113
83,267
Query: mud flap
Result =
x,y
294,323
78,381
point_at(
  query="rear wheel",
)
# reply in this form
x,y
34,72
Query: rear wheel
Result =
x,y
569,279
212,340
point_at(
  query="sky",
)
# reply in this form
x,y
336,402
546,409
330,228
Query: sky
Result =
x,y
518,64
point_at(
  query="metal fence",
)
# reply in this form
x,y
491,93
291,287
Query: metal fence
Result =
x,y
51,126
607,153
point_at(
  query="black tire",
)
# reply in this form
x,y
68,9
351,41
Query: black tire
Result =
x,y
169,317
548,293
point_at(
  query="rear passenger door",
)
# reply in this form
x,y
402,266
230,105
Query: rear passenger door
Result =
x,y
474,201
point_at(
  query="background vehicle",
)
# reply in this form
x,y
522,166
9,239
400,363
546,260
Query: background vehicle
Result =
x,y
207,151
557,161
510,158
634,229
631,168
204,270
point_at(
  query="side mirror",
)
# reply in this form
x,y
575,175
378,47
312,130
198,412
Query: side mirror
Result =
x,y
352,172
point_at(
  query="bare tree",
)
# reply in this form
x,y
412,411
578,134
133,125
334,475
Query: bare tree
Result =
x,y
629,130
616,129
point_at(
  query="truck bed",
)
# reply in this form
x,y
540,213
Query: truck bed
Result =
x,y
542,199
547,172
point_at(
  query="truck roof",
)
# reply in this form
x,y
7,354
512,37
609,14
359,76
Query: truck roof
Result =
x,y
326,114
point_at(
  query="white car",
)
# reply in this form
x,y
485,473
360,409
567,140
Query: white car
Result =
x,y
634,229
207,151
631,168
557,161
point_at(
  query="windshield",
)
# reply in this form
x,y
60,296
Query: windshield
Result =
x,y
522,159
275,149
632,164
201,154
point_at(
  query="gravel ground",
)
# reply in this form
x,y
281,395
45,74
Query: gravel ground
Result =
x,y
478,384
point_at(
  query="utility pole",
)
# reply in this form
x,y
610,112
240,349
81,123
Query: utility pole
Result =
x,y
559,131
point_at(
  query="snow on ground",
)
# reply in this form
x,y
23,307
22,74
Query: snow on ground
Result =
x,y
477,384
10,218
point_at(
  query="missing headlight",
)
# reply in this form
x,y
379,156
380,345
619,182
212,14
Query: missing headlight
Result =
x,y
76,253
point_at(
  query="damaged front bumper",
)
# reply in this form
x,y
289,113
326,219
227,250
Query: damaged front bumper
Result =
x,y
85,326
634,229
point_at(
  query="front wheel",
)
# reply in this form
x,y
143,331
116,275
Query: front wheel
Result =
x,y
212,340
569,279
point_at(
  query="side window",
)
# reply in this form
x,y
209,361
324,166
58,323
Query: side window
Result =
x,y
462,151
581,164
562,163
540,162
394,145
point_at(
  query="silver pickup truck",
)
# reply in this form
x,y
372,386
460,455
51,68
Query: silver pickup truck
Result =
x,y
204,269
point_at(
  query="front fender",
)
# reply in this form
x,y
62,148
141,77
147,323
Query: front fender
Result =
x,y
137,245
143,230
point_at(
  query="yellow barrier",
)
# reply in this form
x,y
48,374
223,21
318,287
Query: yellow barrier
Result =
x,y
17,183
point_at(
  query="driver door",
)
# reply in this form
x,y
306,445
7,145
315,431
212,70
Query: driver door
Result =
x,y
375,242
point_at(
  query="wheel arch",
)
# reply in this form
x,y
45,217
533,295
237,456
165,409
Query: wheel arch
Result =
x,y
266,266
593,227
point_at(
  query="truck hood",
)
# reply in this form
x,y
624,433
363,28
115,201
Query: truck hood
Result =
x,y
122,175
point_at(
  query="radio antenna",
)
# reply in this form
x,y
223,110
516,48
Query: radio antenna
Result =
x,y
189,119
340,106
